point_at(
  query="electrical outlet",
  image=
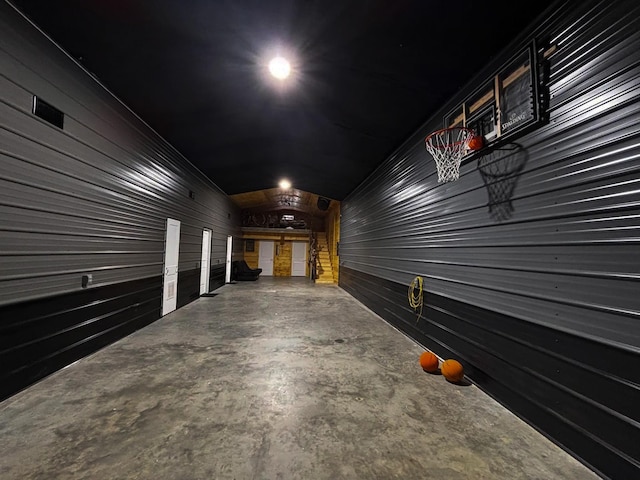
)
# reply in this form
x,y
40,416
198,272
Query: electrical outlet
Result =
x,y
87,279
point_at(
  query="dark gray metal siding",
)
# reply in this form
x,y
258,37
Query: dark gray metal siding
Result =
x,y
563,265
94,196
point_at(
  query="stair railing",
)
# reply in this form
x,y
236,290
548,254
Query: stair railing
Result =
x,y
313,255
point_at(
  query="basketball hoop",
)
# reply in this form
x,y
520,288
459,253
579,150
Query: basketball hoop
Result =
x,y
448,146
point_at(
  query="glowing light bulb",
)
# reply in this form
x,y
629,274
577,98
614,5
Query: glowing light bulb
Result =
x,y
279,68
285,184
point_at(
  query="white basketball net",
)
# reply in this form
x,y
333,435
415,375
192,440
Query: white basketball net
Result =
x,y
447,147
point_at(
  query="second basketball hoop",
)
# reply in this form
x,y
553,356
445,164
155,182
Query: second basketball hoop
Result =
x,y
448,146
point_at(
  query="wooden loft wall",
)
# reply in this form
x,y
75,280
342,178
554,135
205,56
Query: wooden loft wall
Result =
x,y
283,248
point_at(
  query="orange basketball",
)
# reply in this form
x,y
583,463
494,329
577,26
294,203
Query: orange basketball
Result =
x,y
476,143
452,370
428,362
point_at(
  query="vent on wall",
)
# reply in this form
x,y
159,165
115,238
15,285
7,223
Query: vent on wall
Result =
x,y
48,112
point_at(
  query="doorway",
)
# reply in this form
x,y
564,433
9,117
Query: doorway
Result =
x,y
171,253
265,257
227,275
299,259
205,261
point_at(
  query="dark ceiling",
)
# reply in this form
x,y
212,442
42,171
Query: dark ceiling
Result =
x,y
366,75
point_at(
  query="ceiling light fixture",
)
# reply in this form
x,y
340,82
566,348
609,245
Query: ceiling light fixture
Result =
x,y
279,68
284,184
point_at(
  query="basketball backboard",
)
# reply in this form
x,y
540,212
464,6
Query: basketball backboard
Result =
x,y
507,104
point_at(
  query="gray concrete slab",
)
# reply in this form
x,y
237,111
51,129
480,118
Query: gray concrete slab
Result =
x,y
274,379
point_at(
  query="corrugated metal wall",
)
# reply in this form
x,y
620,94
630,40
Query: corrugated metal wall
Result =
x,y
91,198
538,296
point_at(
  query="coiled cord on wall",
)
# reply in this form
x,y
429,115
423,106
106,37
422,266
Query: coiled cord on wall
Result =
x,y
416,296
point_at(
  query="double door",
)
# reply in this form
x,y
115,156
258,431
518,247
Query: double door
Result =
x,y
283,259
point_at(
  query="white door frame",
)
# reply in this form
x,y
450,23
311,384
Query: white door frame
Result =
x,y
205,261
170,270
227,275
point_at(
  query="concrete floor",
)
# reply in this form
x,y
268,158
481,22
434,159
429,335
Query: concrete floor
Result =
x,y
274,379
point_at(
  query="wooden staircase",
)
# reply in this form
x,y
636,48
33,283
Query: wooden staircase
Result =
x,y
324,270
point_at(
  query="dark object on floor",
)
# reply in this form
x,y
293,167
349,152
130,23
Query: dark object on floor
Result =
x,y
242,271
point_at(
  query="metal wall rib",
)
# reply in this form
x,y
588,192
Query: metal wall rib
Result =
x,y
93,197
565,256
